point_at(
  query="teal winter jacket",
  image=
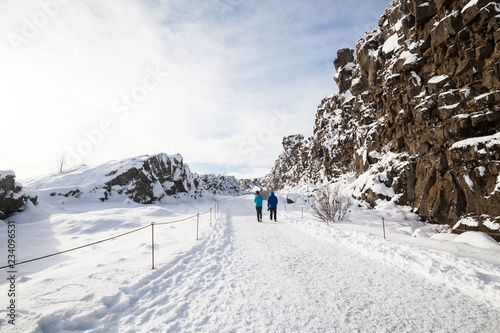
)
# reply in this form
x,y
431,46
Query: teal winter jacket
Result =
x,y
258,200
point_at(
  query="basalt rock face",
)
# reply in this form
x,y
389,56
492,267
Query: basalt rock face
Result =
x,y
221,184
153,178
143,179
13,198
250,185
418,111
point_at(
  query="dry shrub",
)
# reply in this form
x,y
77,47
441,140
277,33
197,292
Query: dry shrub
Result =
x,y
330,205
265,193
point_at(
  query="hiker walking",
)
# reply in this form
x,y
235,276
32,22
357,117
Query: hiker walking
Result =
x,y
258,205
272,205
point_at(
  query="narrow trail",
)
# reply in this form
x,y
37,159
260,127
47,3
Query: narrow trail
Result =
x,y
270,277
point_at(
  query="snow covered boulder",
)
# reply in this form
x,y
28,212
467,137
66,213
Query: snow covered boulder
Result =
x,y
13,198
478,239
424,232
291,198
296,198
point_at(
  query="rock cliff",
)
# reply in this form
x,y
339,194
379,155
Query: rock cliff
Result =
x,y
143,179
13,198
417,115
250,185
221,184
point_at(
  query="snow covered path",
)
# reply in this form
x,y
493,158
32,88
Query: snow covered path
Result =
x,y
297,275
271,277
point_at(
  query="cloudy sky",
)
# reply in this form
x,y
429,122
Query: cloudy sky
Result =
x,y
218,81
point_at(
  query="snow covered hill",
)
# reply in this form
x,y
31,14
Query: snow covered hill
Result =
x,y
143,179
297,275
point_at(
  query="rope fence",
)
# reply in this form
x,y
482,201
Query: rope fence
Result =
x,y
216,208
153,224
384,220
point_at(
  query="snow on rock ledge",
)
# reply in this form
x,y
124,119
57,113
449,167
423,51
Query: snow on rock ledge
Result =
x,y
424,88
13,198
143,179
221,184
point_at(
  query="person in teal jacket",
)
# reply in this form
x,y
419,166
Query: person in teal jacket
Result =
x,y
258,205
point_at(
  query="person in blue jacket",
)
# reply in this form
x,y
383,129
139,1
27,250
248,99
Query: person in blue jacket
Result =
x,y
258,205
272,205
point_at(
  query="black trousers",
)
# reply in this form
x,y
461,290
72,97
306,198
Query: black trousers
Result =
x,y
259,213
272,210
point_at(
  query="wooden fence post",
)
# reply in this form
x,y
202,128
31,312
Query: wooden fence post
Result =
x,y
383,225
197,225
152,245
210,216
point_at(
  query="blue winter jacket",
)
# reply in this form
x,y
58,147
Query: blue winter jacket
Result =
x,y
258,200
272,201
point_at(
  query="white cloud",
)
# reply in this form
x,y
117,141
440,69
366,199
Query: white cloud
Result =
x,y
228,66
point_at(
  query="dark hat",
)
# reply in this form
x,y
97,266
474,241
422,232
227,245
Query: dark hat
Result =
x,y
257,192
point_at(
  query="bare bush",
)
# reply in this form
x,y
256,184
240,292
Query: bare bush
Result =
x,y
344,203
265,193
331,205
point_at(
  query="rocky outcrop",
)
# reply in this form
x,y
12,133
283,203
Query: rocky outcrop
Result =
x,y
417,115
250,185
221,184
144,179
13,198
152,178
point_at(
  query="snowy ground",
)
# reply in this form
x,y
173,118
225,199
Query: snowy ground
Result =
x,y
297,275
